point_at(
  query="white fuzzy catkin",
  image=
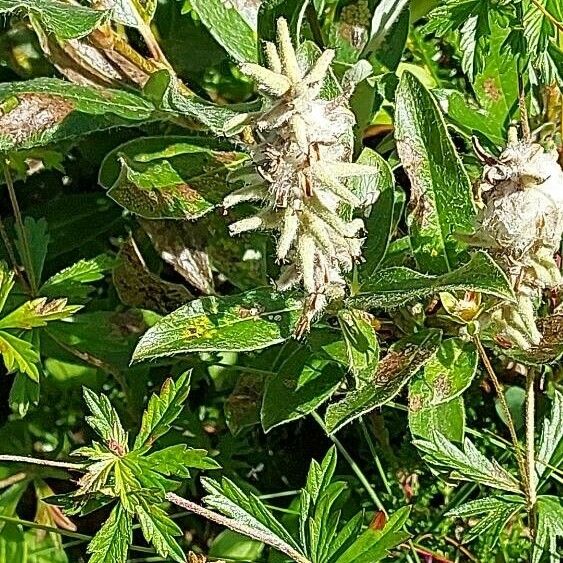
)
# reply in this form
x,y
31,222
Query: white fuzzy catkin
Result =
x,y
301,151
521,224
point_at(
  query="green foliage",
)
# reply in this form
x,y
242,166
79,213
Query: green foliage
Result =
x,y
128,131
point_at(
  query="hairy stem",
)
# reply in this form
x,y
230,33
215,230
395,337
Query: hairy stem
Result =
x,y
506,413
530,451
237,526
42,462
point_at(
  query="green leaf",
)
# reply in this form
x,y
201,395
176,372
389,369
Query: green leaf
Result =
x,y
229,28
72,282
111,543
64,20
394,287
12,544
159,530
38,313
19,355
550,451
361,341
63,111
496,512
32,248
23,394
249,510
379,222
167,177
374,545
235,547
403,360
301,384
133,13
6,283
549,528
239,323
176,460
446,418
163,410
445,376
441,201
468,464
105,421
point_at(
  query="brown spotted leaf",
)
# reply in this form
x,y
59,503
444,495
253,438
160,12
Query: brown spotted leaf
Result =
x,y
167,177
394,371
47,110
138,287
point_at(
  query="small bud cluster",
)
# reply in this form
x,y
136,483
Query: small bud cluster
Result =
x,y
301,152
521,223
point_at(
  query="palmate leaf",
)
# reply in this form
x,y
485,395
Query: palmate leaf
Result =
x,y
73,282
393,287
468,464
550,451
247,508
549,529
374,545
162,410
47,110
111,543
37,313
19,355
159,530
67,21
105,421
495,513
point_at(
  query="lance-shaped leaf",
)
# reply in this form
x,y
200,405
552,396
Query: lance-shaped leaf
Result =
x,y
394,287
67,21
167,177
229,28
238,323
6,283
393,373
468,464
441,199
47,110
162,410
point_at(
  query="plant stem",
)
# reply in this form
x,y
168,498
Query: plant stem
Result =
x,y
237,526
353,465
530,451
376,459
507,415
26,248
42,462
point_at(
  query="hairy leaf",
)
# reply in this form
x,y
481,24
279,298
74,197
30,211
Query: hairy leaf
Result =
x,y
549,529
393,373
19,355
550,452
249,321
394,287
38,313
441,201
111,543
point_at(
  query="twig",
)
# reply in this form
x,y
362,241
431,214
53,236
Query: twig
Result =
x,y
42,462
26,249
353,465
530,450
237,526
506,412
